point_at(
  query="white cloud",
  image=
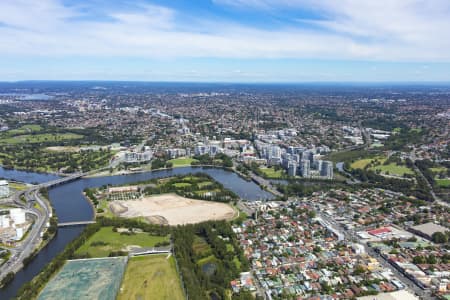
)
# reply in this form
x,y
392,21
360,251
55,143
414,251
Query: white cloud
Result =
x,y
391,30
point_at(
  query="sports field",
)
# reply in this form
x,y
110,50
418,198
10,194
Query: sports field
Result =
x,y
86,279
151,277
272,173
40,138
393,169
182,161
389,169
105,240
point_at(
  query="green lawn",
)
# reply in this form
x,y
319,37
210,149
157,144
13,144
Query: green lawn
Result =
x,y
151,277
181,184
204,184
393,169
390,169
272,173
182,161
104,204
360,164
201,247
115,241
445,183
40,138
18,186
438,169
24,129
205,260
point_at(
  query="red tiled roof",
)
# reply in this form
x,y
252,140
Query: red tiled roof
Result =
x,y
379,231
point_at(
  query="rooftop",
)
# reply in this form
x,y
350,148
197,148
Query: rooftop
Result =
x,y
429,228
398,295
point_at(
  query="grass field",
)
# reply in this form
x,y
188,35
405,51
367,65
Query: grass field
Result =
x,y
204,184
24,129
86,279
393,169
115,241
181,184
346,155
40,138
18,186
390,169
361,164
104,204
272,173
438,169
182,161
201,247
209,259
444,183
151,277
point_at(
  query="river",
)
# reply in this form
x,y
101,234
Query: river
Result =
x,y
70,205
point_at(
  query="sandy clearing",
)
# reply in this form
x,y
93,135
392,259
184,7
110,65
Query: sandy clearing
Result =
x,y
176,210
63,149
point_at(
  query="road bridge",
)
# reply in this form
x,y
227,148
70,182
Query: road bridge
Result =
x,y
76,223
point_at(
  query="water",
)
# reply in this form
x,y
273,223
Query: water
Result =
x,y
209,268
28,177
70,205
64,236
28,96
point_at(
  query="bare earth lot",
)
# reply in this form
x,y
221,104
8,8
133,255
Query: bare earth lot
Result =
x,y
172,209
97,278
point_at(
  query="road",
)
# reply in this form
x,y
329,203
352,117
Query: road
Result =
x,y
33,240
435,198
340,167
350,235
423,294
366,135
243,207
266,183
260,181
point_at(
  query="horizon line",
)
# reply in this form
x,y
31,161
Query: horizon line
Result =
x,y
397,82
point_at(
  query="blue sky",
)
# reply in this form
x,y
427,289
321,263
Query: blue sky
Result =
x,y
225,40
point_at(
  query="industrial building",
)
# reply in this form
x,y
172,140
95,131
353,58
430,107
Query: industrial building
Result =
x,y
4,188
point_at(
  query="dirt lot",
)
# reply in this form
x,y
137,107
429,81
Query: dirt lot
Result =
x,y
63,149
173,209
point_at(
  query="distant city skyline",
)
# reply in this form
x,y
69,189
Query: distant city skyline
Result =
x,y
226,40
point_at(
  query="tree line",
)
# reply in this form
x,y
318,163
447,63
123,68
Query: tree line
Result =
x,y
198,284
32,289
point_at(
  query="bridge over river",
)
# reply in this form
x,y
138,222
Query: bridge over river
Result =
x,y
76,223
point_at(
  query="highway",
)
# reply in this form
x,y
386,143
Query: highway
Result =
x,y
33,239
435,198
42,216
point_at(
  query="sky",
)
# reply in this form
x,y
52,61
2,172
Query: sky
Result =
x,y
226,40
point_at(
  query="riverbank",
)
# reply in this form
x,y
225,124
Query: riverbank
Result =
x,y
147,168
71,206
